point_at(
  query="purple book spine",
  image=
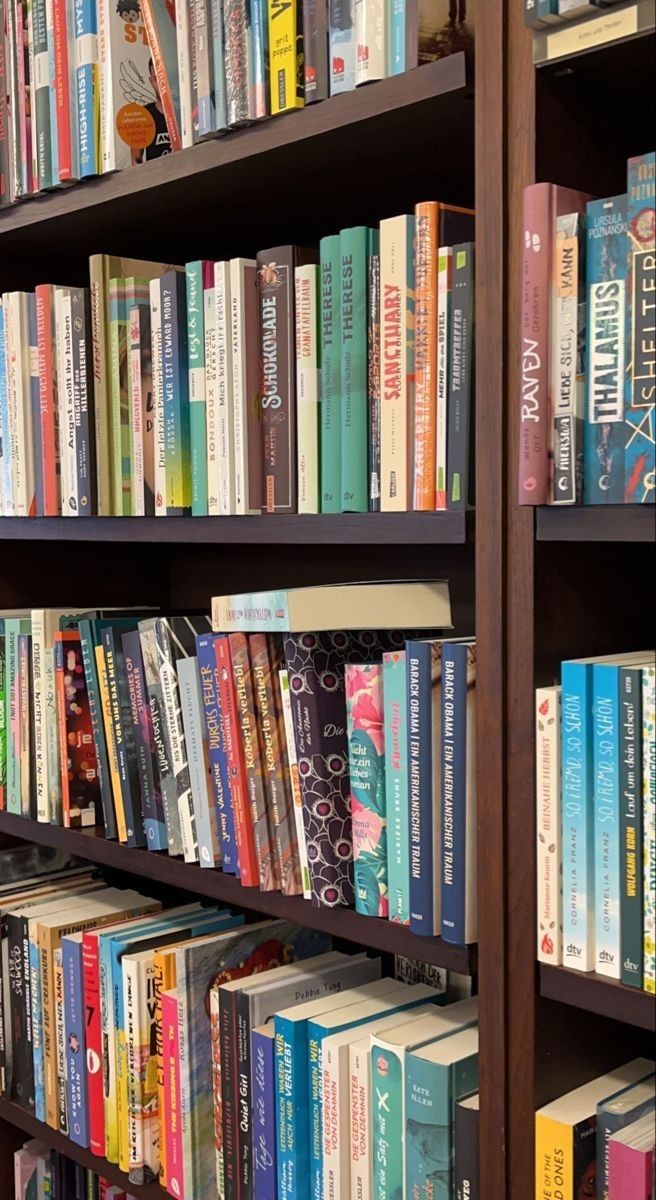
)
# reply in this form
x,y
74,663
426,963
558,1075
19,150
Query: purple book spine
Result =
x,y
264,1115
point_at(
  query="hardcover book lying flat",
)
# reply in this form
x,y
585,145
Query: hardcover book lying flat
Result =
x,y
415,604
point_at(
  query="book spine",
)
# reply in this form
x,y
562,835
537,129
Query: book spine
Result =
x,y
603,448
245,1095
577,817
364,716
396,785
91,973
268,871
25,723
218,64
174,740
48,403
567,371
286,74
264,1117
85,458
607,804
292,759
361,1122
548,810
191,705
387,1126
13,799
341,45
197,414
466,1154
112,756
555,1157
354,246
119,408
423,677
225,406
218,759
217,1087
157,393
425,415
631,900
18,358
331,386
152,805
373,380
18,189
76,1075
62,92
5,188
22,1062
370,41
3,742
277,359
442,368
158,721
211,402
279,800
460,431
6,491
41,93
183,41
307,387
172,1123
244,304
640,395
292,1109
102,411
649,826
37,1027
136,411
66,402
87,88
41,773
631,1172
238,62
315,50
97,729
228,1035
176,395
459,923
397,366
534,339
260,98
60,1042
202,59
248,866
124,739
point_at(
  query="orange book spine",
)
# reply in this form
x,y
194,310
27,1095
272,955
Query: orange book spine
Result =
x,y
425,407
161,74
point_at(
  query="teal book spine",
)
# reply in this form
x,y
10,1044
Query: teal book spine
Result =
x,y
606,766
387,1123
431,1093
356,245
292,1109
331,374
196,352
577,816
38,1061
363,685
15,628
396,785
631,902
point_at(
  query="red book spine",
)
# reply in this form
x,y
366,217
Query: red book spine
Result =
x,y
62,97
161,74
95,1090
248,868
47,401
534,347
172,1096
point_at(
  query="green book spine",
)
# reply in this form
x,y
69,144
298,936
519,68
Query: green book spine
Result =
x,y
196,352
356,245
431,1092
331,378
120,406
387,1119
631,826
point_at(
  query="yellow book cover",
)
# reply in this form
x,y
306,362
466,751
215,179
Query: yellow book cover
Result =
x,y
111,744
286,79
554,1159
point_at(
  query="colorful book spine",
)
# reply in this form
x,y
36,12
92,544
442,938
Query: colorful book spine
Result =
x,y
373,380
48,399
424,668
192,720
91,972
444,299
461,391
152,805
264,1113
431,1093
425,414
640,395
244,333
88,87
397,358
567,367
85,449
238,62
315,50
13,791
606,765
97,728
649,825
260,99
537,258
458,793
172,1096
80,790
135,404
307,387
156,698
65,94
247,858
396,784
402,36
331,384
183,43
606,255
41,95
356,246
364,715
341,45
548,810
159,22
286,74
577,816
157,395
361,1121
265,661
224,476
276,269
268,868
292,762
169,651
631,1170
631,900
74,1025
6,487
218,759
175,381
99,654
211,399
124,737
196,350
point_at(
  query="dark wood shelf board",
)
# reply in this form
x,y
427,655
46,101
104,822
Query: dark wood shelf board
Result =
x,y
20,1119
447,528
596,523
607,997
369,932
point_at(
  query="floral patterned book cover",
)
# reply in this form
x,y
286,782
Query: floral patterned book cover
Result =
x,y
364,715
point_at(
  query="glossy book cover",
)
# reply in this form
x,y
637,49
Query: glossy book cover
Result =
x,y
80,783
364,712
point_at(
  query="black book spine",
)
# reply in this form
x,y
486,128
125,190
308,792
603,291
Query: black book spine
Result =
x,y
22,1074
373,379
466,1153
461,380
244,1103
124,736
85,441
227,1029
315,44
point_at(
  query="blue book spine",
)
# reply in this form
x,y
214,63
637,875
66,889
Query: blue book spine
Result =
x,y
75,1042
152,805
260,46
454,791
640,400
177,433
5,454
219,773
603,444
218,57
35,402
396,785
606,765
577,816
87,87
423,661
292,1109
37,1033
197,423
397,36
263,1068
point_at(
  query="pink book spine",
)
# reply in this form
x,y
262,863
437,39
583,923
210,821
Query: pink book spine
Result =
x,y
172,1097
630,1172
534,344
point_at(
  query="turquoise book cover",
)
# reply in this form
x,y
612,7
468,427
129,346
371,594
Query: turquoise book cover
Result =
x,y
640,395
387,1123
356,247
396,785
331,374
606,768
366,741
196,350
431,1092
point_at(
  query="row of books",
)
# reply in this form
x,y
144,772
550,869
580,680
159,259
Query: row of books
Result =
x,y
334,379
598,1140
43,1174
219,1057
587,399
552,12
596,818
96,87
337,766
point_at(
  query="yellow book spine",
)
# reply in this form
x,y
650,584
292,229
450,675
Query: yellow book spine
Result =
x,y
285,56
165,980
111,745
554,1159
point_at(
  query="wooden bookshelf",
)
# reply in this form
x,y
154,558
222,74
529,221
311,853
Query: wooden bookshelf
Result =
x,y
594,993
589,523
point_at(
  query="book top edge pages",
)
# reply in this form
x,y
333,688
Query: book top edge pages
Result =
x,y
412,604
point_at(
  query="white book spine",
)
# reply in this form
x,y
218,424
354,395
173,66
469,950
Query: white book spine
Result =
x,y
211,404
370,41
336,1159
360,1121
52,735
184,73
190,705
66,402
132,1026
241,275
396,361
292,759
20,404
108,157
649,825
547,778
307,388
136,414
159,440
225,389
444,268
